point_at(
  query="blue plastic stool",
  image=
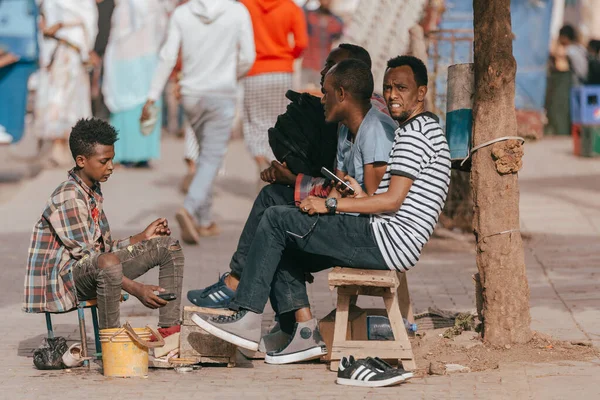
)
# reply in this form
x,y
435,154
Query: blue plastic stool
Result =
x,y
585,105
93,306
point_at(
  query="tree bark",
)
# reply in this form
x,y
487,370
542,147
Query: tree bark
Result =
x,y
500,257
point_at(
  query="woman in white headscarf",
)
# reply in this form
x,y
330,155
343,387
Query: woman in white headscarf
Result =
x,y
137,31
68,30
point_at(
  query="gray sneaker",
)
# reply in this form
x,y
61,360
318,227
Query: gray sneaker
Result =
x,y
274,340
305,344
241,329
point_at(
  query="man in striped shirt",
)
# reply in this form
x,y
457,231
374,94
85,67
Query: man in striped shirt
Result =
x,y
389,232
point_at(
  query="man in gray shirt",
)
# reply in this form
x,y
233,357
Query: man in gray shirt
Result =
x,y
576,53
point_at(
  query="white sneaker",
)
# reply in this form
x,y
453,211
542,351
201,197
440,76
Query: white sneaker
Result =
x,y
305,344
274,340
241,329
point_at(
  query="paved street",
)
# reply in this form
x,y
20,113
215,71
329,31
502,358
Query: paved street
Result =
x,y
560,214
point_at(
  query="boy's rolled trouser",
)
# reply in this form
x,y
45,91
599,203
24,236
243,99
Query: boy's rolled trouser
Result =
x,y
104,284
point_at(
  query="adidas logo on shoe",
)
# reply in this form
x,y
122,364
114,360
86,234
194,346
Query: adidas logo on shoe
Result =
x,y
217,295
364,373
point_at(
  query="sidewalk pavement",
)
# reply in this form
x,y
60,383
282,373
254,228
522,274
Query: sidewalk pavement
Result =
x,y
560,214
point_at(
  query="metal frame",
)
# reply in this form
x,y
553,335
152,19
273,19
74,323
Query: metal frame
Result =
x,y
440,64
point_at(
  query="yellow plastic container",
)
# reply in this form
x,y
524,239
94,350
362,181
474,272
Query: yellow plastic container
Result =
x,y
125,350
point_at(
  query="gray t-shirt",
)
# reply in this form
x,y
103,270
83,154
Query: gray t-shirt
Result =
x,y
578,60
372,144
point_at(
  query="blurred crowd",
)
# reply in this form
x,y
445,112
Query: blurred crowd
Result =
x,y
99,58
571,64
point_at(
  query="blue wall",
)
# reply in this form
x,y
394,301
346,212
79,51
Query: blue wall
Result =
x,y
18,28
531,26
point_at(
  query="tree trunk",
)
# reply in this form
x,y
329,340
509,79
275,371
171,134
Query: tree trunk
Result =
x,y
500,257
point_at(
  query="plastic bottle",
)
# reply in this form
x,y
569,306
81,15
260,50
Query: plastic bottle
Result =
x,y
410,328
378,328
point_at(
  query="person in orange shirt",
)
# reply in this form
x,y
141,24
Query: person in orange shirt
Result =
x,y
271,75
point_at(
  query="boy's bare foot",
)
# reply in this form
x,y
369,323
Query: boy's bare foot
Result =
x,y
189,233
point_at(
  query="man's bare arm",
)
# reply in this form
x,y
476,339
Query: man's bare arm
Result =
x,y
372,175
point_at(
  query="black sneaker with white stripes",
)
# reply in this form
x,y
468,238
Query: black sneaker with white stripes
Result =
x,y
217,295
363,373
381,365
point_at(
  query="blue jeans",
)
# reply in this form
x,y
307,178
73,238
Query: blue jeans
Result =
x,y
269,196
211,119
287,243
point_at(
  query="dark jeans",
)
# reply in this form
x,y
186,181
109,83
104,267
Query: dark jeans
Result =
x,y
287,243
104,284
269,196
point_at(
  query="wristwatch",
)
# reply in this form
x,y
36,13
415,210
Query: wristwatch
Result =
x,y
331,205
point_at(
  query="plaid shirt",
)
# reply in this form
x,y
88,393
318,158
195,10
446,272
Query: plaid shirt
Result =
x,y
310,186
72,227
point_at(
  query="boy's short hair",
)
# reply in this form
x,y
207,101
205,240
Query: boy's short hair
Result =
x,y
357,52
418,68
87,133
355,77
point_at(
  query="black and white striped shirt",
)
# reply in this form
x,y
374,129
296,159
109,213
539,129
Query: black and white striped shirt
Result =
x,y
420,152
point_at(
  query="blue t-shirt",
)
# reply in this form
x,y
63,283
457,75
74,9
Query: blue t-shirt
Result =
x,y
373,144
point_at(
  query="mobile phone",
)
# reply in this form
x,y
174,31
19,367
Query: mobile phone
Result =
x,y
167,296
330,175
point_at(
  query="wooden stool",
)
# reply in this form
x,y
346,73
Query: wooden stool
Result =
x,y
393,287
93,306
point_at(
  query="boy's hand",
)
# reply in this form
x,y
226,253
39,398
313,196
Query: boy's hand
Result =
x,y
158,228
145,294
278,173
